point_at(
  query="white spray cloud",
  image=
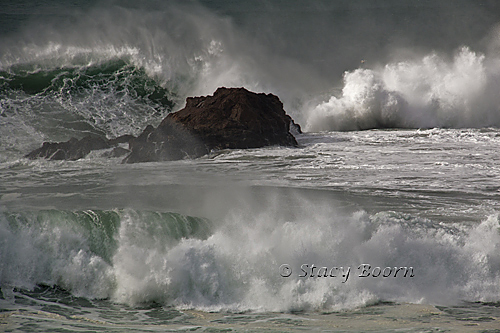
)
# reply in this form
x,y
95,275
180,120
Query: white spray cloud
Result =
x,y
238,267
430,92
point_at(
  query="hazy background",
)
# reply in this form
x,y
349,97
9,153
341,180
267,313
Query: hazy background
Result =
x,y
332,36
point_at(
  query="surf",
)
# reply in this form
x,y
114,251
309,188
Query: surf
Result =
x,y
139,257
425,93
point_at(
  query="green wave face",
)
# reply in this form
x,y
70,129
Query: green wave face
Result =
x,y
113,75
76,250
108,99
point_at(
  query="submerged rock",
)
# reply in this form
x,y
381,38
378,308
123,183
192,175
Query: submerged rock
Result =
x,y
75,149
232,118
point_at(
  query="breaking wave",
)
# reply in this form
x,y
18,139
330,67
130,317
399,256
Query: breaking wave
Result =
x,y
425,93
136,257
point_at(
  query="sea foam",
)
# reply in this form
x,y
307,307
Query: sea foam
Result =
x,y
234,264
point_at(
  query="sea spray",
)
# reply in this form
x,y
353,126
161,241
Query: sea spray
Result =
x,y
111,72
75,250
237,268
61,248
235,264
185,49
91,245
110,98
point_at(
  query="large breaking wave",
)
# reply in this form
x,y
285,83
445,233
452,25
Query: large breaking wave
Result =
x,y
429,92
113,70
137,257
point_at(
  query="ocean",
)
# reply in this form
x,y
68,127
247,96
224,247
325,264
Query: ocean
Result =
x,y
385,218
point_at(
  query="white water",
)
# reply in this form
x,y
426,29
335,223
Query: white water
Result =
x,y
426,199
184,47
424,93
191,51
443,223
237,268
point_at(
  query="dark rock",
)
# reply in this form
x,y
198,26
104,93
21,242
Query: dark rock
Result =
x,y
232,118
121,139
295,128
74,149
169,142
236,118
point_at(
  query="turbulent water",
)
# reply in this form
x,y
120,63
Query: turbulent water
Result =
x,y
385,218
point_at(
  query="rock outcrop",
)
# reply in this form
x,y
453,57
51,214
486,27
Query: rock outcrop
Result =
x,y
233,118
75,149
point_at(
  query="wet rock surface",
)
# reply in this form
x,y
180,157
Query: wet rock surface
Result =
x,y
231,118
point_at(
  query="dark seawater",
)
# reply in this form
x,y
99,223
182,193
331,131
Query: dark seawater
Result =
x,y
384,219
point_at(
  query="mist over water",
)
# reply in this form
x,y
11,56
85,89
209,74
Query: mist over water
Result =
x,y
135,257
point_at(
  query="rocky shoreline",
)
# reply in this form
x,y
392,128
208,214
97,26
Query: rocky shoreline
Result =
x,y
231,118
